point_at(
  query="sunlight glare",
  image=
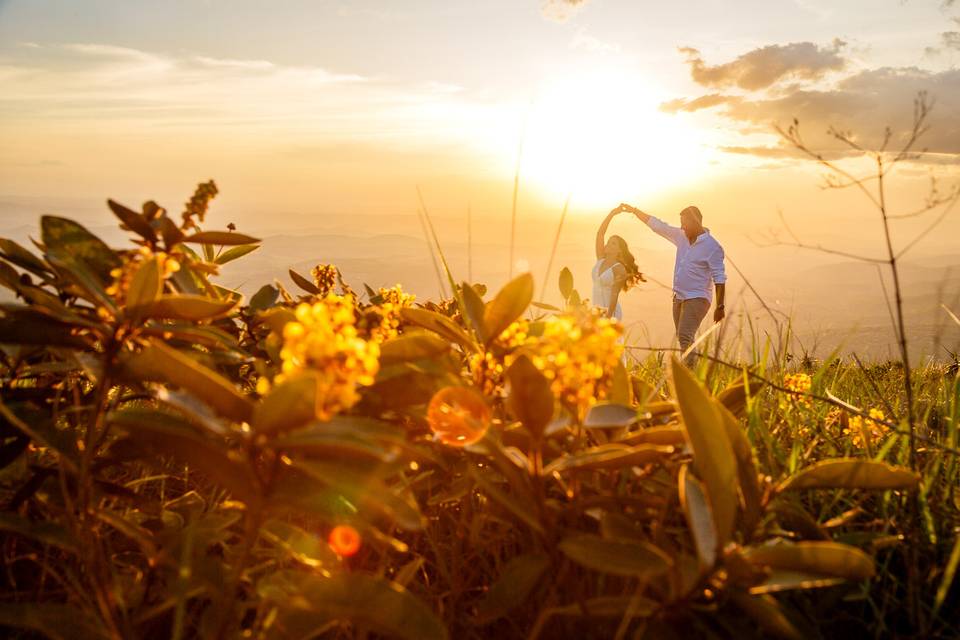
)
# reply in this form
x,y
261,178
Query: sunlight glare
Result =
x,y
600,137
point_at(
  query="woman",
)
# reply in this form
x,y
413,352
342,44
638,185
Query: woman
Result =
x,y
615,271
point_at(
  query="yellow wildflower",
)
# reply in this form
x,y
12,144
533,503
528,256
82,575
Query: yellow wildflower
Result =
x,y
799,383
862,431
325,276
578,354
324,339
123,275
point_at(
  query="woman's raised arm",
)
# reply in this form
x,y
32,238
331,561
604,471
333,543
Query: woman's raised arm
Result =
x,y
602,232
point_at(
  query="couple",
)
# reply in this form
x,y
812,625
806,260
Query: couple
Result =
x,y
699,261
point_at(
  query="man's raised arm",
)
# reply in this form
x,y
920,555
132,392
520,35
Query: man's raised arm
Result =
x,y
658,226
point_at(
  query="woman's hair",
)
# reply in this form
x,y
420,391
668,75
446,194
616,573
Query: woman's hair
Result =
x,y
629,263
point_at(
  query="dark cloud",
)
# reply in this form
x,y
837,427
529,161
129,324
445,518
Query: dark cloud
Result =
x,y
950,39
864,103
764,67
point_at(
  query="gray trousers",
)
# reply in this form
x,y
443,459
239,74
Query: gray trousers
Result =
x,y
687,316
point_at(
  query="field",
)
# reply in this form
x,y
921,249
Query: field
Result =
x,y
348,462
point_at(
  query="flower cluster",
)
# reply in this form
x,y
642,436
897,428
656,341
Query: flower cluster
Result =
x,y
325,276
324,340
800,383
123,276
863,431
199,203
393,299
487,368
578,354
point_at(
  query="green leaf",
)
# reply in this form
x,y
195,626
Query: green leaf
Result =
x,y
412,346
439,324
663,435
365,600
610,607
517,580
134,221
474,310
850,473
158,362
343,438
620,387
530,399
949,574
700,519
145,287
65,237
734,397
713,457
779,580
55,621
508,305
518,507
609,456
236,252
43,532
766,611
822,558
546,307
618,557
264,298
750,493
289,405
21,257
566,283
301,545
220,237
303,283
193,308
363,489
610,416
22,325
157,432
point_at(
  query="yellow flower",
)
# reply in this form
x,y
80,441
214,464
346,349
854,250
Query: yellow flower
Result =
x,y
123,275
325,276
324,339
578,354
799,383
394,299
862,431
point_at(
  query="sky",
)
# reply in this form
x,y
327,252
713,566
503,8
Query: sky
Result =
x,y
314,114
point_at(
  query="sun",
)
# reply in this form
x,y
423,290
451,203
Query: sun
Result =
x,y
600,137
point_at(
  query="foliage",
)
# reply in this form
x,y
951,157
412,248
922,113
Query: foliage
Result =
x,y
178,464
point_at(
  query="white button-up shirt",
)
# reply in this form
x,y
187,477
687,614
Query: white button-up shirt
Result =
x,y
696,264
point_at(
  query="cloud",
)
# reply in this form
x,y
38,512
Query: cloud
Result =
x,y
782,152
137,91
950,39
863,103
561,10
696,104
584,42
764,67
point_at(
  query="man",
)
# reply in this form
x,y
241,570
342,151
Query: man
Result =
x,y
699,260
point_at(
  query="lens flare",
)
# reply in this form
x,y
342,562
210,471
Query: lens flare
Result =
x,y
459,416
344,540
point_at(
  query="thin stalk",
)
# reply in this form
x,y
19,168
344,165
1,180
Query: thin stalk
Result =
x,y
553,250
513,210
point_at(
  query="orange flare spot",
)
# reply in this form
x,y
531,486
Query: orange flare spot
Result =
x,y
344,540
459,416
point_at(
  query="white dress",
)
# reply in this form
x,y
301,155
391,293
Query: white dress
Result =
x,y
603,288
